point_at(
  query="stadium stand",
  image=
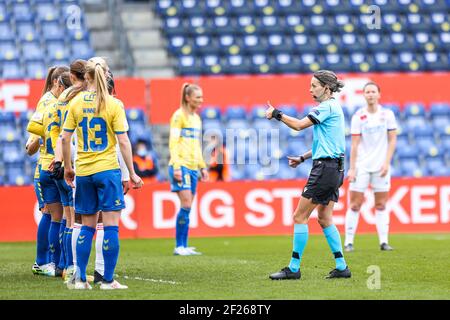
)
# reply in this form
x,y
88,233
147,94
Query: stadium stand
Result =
x,y
285,36
33,35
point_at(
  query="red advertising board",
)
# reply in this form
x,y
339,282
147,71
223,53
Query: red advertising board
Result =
x,y
247,91
244,208
21,95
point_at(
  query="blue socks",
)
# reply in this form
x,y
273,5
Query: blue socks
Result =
x,y
110,249
68,241
334,241
62,245
42,239
299,244
84,243
182,227
53,239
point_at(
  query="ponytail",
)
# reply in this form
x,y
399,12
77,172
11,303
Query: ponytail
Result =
x,y
48,80
101,87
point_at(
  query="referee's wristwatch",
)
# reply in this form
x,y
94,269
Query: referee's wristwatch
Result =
x,y
302,159
277,114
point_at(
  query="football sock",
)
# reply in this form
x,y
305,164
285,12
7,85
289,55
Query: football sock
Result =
x,y
53,239
299,244
68,242
110,251
42,239
351,223
84,243
334,241
75,233
62,258
382,223
182,227
99,261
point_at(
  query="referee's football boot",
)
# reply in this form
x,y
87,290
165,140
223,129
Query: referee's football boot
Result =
x,y
349,248
386,247
335,273
98,278
285,274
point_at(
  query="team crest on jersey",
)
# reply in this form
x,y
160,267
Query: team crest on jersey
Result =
x,y
363,117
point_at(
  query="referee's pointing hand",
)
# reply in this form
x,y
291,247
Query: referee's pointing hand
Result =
x,y
294,161
269,110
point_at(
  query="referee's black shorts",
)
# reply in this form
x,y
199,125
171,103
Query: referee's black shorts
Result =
x,y
324,181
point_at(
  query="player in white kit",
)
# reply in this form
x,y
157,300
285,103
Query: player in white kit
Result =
x,y
373,130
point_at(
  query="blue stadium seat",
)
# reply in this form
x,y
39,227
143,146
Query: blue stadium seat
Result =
x,y
213,126
285,62
136,115
174,26
236,7
427,147
432,6
305,44
252,44
228,45
8,51
416,22
222,25
384,61
12,154
414,109
351,43
395,109
6,32
22,12
57,50
402,42
32,51
272,24
258,112
7,117
441,171
260,63
12,70
439,109
254,172
419,129
439,122
24,117
78,34
434,61
378,43
279,43
189,65
303,170
15,175
235,112
411,168
286,172
4,15
204,45
237,64
289,110
408,152
27,31
36,70
210,113
52,31
180,45
337,62
237,172
81,50
47,12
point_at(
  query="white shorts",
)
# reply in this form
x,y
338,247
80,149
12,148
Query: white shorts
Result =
x,y
363,179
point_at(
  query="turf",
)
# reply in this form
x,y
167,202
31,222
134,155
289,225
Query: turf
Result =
x,y
238,268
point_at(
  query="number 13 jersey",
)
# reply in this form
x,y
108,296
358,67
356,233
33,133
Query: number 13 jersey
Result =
x,y
96,133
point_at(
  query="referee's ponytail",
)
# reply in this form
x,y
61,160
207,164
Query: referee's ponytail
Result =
x,y
329,78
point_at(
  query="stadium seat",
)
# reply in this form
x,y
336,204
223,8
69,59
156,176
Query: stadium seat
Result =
x,y
12,154
237,64
252,44
52,31
237,172
36,70
258,112
136,115
303,170
189,65
32,51
22,12
411,168
8,51
439,109
408,152
286,172
47,12
57,50
6,32
27,32
414,109
210,113
235,112
81,50
12,70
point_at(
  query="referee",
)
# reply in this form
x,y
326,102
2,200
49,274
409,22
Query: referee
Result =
x,y
326,176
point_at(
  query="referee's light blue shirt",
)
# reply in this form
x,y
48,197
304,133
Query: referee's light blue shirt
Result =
x,y
329,130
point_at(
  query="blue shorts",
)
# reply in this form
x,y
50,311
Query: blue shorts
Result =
x,y
38,191
99,191
65,192
189,180
49,188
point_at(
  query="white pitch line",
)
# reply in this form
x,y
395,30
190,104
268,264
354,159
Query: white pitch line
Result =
x,y
150,280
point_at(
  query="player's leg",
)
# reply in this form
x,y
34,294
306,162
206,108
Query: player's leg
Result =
x,y
301,216
194,181
182,221
183,189
381,187
86,204
99,259
357,189
382,219
111,203
42,245
334,240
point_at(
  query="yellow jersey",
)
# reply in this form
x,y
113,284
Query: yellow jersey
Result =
x,y
51,131
96,143
47,99
185,141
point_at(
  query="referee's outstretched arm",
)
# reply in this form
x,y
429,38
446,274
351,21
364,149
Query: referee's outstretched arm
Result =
x,y
291,122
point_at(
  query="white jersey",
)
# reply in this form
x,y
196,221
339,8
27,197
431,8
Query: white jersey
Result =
x,y
373,129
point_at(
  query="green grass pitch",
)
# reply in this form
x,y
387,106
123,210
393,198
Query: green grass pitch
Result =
x,y
238,268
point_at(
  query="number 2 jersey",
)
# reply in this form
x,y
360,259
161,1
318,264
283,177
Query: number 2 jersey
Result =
x,y
96,133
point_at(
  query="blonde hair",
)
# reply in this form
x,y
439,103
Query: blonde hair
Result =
x,y
186,90
78,70
96,68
